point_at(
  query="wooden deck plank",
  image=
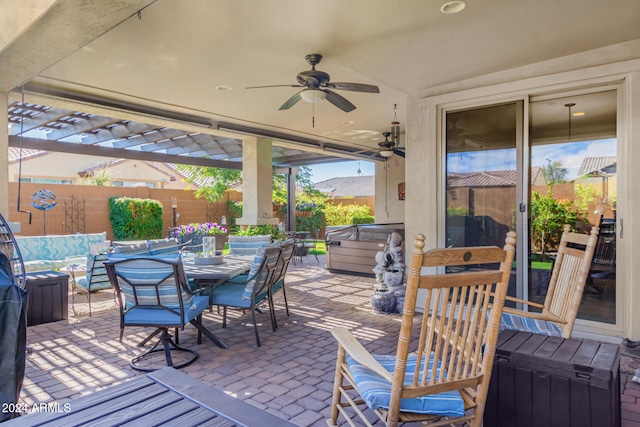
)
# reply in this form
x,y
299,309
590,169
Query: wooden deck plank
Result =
x,y
152,400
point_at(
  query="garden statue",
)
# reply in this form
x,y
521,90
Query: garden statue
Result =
x,y
388,296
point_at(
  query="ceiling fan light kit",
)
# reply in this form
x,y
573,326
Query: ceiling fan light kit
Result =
x,y
313,95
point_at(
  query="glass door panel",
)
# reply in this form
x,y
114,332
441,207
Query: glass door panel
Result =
x,y
481,176
573,180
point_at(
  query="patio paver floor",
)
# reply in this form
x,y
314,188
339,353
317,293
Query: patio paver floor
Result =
x,y
290,375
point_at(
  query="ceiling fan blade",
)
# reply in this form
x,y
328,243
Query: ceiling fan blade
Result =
x,y
355,87
291,102
399,152
260,87
339,101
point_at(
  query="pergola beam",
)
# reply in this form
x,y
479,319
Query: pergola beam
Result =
x,y
119,153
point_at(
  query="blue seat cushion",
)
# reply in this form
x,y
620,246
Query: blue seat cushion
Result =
x,y
231,294
161,317
522,323
376,391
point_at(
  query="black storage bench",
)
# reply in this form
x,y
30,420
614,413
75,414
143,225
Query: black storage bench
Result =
x,y
48,297
542,381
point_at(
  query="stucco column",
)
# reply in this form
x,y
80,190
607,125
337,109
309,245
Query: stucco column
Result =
x,y
257,207
4,161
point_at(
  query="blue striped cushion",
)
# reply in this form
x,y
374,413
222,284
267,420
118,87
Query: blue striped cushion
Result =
x,y
247,245
376,391
158,316
133,249
163,247
255,266
522,323
141,271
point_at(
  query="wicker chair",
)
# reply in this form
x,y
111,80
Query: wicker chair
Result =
x,y
566,286
446,379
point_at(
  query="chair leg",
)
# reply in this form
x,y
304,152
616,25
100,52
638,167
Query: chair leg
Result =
x,y
148,338
199,319
272,312
224,316
255,327
337,385
284,295
168,345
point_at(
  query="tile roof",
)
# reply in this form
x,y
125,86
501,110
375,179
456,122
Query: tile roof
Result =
x,y
593,165
14,154
348,186
506,178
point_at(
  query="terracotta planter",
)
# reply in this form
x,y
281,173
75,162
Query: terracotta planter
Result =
x,y
303,213
277,207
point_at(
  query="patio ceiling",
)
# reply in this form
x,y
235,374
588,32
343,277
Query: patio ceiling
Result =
x,y
191,62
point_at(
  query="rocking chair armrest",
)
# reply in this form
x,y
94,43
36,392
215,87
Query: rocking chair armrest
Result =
x,y
538,316
521,301
354,349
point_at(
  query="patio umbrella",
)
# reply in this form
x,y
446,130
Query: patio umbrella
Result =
x,y
13,337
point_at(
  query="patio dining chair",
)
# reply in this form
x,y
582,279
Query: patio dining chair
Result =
x,y
442,377
278,281
254,291
557,315
153,291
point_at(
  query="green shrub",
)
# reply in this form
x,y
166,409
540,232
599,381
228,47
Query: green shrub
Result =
x,y
362,220
133,219
259,230
343,215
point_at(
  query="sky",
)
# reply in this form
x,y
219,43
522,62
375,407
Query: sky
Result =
x,y
340,169
569,155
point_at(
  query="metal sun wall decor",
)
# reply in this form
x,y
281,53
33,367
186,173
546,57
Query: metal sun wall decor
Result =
x,y
44,200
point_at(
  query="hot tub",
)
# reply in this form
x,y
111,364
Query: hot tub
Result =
x,y
352,249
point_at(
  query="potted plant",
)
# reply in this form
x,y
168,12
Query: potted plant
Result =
x,y
195,232
305,209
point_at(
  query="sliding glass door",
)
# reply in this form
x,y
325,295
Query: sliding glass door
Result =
x,y
505,171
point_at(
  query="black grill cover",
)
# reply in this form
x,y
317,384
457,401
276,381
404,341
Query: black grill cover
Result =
x,y
13,336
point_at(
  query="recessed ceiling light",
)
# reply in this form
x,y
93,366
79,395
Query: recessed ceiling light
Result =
x,y
578,113
454,6
348,122
223,88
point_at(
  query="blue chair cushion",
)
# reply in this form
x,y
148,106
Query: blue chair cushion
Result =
x,y
144,271
522,323
163,247
141,249
231,294
160,317
376,391
255,266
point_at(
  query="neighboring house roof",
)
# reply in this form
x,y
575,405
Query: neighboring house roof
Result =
x,y
90,171
348,186
14,154
506,178
187,175
598,165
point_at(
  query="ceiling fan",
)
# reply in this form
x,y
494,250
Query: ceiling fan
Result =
x,y
316,86
389,148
